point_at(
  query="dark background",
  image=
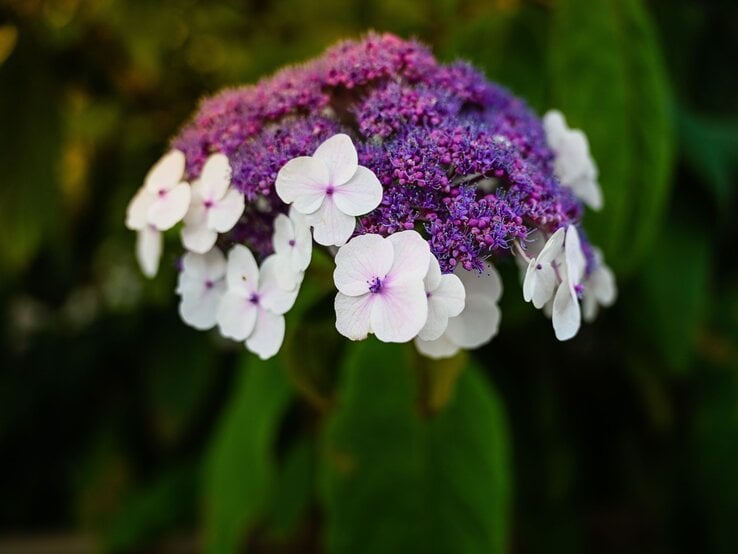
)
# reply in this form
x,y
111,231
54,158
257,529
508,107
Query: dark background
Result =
x,y
623,440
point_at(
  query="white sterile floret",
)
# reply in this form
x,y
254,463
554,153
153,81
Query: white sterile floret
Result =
x,y
599,288
446,298
158,205
541,277
293,247
215,208
380,284
573,163
478,322
201,285
330,188
253,305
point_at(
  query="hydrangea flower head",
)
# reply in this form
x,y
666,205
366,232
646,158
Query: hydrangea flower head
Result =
x,y
417,176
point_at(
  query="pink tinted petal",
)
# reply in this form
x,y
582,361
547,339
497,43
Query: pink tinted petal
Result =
x,y
412,255
138,209
215,177
242,273
339,156
399,312
166,173
148,250
271,295
236,316
353,315
224,214
303,181
361,260
437,349
331,227
360,195
268,335
167,210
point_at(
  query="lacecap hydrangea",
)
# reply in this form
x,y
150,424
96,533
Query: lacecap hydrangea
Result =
x,y
417,177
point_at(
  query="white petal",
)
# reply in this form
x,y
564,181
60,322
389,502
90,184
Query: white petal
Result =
x,y
400,310
481,286
353,315
541,278
433,276
148,250
555,127
588,190
166,173
236,316
268,335
287,278
210,266
360,195
284,232
339,156
575,260
566,315
360,261
242,273
198,308
446,300
138,209
590,307
169,208
226,212
303,181
303,249
437,349
195,234
331,227
476,325
412,255
271,295
215,177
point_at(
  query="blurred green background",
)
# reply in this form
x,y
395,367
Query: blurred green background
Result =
x,y
123,430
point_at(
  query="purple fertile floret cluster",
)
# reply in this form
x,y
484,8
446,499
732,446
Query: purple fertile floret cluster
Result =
x,y
461,159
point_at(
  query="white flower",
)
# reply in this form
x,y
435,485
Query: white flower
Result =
x,y
380,284
573,164
599,288
330,188
158,205
293,247
253,306
201,285
446,297
214,209
557,272
478,322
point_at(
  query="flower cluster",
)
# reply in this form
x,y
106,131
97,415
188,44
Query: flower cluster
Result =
x,y
416,176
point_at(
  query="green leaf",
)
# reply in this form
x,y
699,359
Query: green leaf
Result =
x,y
609,80
241,467
394,480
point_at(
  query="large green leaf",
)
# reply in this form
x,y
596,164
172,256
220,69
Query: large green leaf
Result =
x,y
394,480
608,78
241,468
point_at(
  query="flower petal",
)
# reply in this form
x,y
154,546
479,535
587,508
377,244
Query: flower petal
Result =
x,y
541,278
437,349
353,315
210,266
287,278
198,308
242,273
476,325
138,209
195,234
412,255
447,300
148,250
331,227
361,260
339,156
284,232
268,335
481,286
226,212
303,249
303,181
166,173
400,310
360,195
271,295
566,315
215,177
236,316
168,209
433,276
575,261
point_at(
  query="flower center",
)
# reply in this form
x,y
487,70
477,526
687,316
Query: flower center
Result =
x,y
209,284
329,190
208,204
375,285
291,242
254,298
162,193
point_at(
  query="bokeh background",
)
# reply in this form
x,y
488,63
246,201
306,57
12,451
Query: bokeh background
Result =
x,y
123,430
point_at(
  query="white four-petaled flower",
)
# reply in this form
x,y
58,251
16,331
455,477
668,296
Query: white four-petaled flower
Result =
x,y
573,164
214,208
293,248
478,322
158,205
201,285
380,284
252,308
330,188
